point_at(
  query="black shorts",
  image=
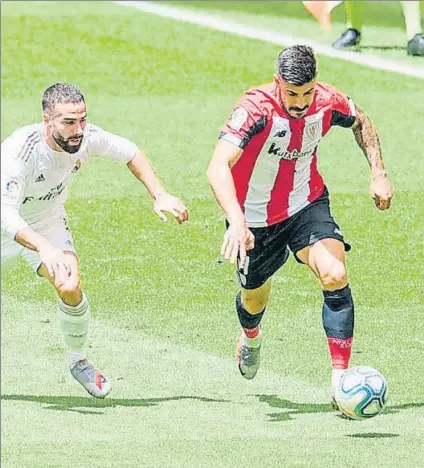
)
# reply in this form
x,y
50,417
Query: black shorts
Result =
x,y
272,243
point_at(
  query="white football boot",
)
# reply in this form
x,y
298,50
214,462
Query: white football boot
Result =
x,y
91,379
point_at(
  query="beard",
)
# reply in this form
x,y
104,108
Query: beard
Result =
x,y
298,113
294,112
64,143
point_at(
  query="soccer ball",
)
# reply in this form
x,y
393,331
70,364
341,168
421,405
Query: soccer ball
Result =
x,y
362,392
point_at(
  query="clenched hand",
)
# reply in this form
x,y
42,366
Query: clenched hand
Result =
x,y
382,192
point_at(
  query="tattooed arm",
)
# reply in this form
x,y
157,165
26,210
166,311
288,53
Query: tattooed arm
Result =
x,y
367,139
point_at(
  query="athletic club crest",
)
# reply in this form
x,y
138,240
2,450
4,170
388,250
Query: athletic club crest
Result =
x,y
312,130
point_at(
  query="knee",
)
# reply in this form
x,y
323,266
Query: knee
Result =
x,y
70,291
334,277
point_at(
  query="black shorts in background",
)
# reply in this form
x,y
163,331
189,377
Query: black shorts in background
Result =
x,y
272,243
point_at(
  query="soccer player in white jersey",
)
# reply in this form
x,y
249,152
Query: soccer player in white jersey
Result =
x,y
38,162
265,177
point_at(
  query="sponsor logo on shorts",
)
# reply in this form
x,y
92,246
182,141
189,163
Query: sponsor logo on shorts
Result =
x,y
243,272
242,278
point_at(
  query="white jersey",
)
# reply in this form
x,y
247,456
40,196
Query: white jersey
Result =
x,y
34,178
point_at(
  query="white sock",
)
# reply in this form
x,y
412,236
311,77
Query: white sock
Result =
x,y
253,342
336,375
74,322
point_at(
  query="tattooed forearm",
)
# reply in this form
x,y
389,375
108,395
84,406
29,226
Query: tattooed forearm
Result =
x,y
367,139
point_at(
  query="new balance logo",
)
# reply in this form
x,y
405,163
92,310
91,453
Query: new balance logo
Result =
x,y
280,134
40,178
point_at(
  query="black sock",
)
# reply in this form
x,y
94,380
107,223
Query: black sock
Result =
x,y
338,313
247,320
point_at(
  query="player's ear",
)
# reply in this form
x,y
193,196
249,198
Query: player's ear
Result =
x,y
46,118
277,80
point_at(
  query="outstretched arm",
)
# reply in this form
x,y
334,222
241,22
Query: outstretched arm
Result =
x,y
109,145
163,201
367,139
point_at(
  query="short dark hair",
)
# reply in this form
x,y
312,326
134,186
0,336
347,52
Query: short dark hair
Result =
x,y
61,93
297,65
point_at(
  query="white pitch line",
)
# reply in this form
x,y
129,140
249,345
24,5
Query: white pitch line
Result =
x,y
239,29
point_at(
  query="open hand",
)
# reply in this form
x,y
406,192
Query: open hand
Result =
x,y
57,263
165,202
237,240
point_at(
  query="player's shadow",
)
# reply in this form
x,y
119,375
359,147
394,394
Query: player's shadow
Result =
x,y
69,403
385,47
291,409
373,435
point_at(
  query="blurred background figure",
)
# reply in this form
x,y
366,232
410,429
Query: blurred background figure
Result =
x,y
411,12
321,10
351,38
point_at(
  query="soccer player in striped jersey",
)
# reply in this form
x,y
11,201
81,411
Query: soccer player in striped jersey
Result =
x,y
264,175
38,162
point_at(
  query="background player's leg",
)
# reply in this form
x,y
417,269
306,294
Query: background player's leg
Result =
x,y
326,258
74,317
352,36
354,15
411,12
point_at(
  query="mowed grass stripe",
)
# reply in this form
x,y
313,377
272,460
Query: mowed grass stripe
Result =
x,y
162,391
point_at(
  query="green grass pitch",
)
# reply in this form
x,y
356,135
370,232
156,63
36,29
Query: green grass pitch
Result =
x,y
164,327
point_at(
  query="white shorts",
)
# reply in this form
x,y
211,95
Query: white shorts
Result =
x,y
54,230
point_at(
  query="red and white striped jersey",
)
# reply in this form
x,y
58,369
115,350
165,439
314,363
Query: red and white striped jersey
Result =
x,y
277,175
